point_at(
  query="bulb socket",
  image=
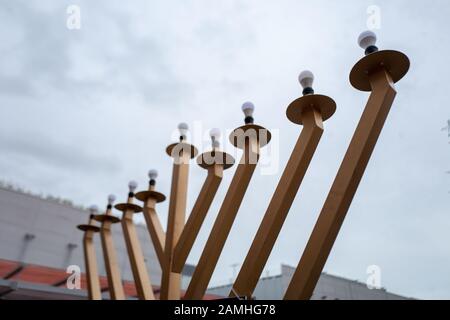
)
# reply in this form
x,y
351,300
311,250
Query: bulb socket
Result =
x,y
152,182
249,120
131,194
182,137
109,206
308,90
371,49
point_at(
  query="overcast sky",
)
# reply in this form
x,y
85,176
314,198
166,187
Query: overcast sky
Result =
x,y
84,111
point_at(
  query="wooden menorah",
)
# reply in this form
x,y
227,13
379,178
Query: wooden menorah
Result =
x,y
376,72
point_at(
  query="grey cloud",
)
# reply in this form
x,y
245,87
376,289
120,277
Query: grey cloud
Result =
x,y
52,154
99,105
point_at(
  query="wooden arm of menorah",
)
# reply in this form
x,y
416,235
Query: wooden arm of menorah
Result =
x,y
90,259
150,198
156,232
141,277
115,285
93,283
215,162
251,145
196,218
310,110
377,72
181,153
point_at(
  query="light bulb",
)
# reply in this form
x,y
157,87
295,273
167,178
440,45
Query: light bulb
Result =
x,y
367,39
132,185
93,209
306,79
111,199
248,109
183,128
215,136
153,174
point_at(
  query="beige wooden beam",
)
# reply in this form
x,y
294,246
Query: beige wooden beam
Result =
x,y
309,110
90,258
181,153
109,252
142,282
249,138
150,198
215,162
377,72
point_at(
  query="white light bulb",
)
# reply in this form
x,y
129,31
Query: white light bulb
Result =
x,y
132,185
93,209
306,79
215,136
367,39
153,174
248,109
183,128
111,199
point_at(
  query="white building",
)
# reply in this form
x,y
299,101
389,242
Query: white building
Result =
x,y
328,288
37,231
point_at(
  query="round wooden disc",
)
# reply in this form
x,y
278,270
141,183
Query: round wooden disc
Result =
x,y
106,217
395,62
175,149
262,134
324,104
128,206
208,159
144,195
88,227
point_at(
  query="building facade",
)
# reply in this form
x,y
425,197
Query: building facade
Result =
x,y
329,287
39,241
39,231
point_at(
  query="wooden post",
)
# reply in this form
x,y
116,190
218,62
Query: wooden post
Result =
x,y
150,198
215,162
309,111
141,278
109,252
377,72
181,153
249,138
90,258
